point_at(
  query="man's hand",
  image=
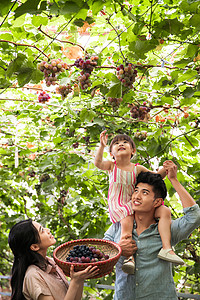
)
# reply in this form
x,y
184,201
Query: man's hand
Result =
x,y
128,246
171,169
103,138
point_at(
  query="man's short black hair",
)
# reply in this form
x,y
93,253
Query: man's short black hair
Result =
x,y
156,181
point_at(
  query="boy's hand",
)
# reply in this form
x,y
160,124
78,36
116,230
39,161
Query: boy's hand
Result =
x,y
103,138
171,169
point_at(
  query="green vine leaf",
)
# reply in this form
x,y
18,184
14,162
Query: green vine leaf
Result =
x,y
29,6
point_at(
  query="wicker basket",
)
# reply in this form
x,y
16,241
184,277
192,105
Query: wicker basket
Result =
x,y
107,247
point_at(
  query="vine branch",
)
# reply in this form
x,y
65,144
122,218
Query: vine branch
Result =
x,y
120,49
151,2
23,45
23,100
183,134
55,39
8,13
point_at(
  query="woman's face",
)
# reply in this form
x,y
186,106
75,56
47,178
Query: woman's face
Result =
x,y
46,239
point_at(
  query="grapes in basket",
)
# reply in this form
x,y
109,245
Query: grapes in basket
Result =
x,y
85,254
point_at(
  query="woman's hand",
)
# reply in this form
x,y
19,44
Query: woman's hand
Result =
x,y
85,274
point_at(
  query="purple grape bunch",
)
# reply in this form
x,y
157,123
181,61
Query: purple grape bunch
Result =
x,y
64,90
43,97
87,66
85,254
140,112
115,102
126,74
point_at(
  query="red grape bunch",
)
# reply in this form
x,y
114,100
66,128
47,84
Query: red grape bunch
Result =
x,y
115,102
126,74
84,80
87,66
32,174
51,70
86,139
64,90
85,254
43,97
69,132
63,195
140,135
44,177
75,145
140,112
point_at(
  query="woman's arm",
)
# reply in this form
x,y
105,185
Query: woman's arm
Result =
x,y
74,292
77,281
75,289
79,291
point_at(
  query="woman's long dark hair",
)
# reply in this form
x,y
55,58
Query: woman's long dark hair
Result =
x,y
22,235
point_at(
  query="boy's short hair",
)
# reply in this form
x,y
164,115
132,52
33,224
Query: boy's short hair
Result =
x,y
121,137
156,181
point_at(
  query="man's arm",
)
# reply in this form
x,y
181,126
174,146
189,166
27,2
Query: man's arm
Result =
x,y
185,197
127,245
182,227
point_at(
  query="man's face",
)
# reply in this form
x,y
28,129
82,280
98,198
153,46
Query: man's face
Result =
x,y
143,198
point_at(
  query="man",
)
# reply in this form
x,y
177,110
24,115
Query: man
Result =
x,y
153,278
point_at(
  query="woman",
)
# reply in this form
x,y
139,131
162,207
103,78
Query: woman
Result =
x,y
34,275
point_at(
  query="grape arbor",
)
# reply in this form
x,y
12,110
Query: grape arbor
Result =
x,y
70,69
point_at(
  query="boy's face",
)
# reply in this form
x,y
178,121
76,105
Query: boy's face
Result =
x,y
122,147
143,198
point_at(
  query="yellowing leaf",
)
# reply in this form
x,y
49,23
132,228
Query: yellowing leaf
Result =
x,y
29,145
32,156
